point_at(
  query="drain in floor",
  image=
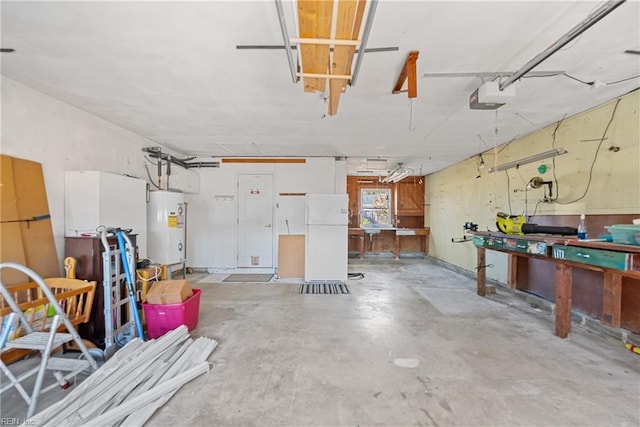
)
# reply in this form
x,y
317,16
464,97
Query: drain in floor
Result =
x,y
324,288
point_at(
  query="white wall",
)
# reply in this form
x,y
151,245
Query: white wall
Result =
x,y
61,137
211,232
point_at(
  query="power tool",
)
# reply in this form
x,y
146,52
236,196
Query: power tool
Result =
x,y
517,224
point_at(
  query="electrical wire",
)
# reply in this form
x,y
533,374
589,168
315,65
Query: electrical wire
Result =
x,y
591,83
553,160
508,192
411,127
146,167
595,157
535,210
355,276
578,80
623,80
150,161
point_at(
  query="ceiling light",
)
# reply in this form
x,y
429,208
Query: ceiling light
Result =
x,y
398,174
530,159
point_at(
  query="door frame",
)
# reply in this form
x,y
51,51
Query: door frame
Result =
x,y
273,221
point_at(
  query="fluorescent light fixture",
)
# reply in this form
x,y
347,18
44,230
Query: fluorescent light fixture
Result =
x,y
398,174
530,159
402,175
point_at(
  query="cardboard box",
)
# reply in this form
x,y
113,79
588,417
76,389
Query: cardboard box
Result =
x,y
291,255
25,226
169,292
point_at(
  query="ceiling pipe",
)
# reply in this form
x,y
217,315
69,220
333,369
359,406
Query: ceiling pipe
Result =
x,y
156,153
287,44
594,17
365,39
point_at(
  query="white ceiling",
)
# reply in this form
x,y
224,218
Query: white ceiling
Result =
x,y
170,71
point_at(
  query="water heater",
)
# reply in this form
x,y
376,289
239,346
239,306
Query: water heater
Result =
x,y
166,232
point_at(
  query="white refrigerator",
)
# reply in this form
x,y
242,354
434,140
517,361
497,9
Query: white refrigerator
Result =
x,y
327,220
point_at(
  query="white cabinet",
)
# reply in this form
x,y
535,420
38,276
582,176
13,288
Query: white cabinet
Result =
x,y
94,198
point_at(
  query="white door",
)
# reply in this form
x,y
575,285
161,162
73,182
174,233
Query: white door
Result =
x,y
255,221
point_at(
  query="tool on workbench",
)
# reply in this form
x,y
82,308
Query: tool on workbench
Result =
x,y
517,224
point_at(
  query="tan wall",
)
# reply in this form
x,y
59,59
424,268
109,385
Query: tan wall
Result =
x,y
454,195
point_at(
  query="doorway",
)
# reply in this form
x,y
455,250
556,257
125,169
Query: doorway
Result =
x,y
255,221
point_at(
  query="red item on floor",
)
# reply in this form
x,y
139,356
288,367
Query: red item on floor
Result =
x,y
162,318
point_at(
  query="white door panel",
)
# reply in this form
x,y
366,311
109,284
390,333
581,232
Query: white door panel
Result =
x,y
255,221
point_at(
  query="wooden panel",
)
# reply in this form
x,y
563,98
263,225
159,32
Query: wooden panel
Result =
x,y
629,309
611,299
314,17
512,272
39,246
408,73
538,277
587,291
482,271
385,241
23,196
350,13
291,255
410,193
11,246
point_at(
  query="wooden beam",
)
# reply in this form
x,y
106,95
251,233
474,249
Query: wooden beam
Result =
x,y
612,299
314,18
261,160
512,271
350,13
325,76
563,300
481,268
330,42
409,73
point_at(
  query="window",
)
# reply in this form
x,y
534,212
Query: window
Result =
x,y
376,207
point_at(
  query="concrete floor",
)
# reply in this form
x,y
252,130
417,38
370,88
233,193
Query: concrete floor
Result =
x,y
411,345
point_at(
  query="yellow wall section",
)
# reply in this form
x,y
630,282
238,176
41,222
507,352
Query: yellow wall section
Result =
x,y
455,196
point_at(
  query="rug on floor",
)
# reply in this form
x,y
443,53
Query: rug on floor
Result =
x,y
214,278
324,288
250,278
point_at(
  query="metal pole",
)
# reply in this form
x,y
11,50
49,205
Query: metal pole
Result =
x,y
285,37
597,15
365,38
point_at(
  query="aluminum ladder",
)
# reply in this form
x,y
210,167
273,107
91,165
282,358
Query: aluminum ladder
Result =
x,y
44,342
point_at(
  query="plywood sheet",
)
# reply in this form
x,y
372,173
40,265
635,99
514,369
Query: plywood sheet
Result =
x,y
291,255
24,197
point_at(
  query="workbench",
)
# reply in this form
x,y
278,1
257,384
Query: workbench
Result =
x,y
422,233
615,261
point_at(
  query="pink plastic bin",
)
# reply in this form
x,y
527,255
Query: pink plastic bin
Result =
x,y
162,318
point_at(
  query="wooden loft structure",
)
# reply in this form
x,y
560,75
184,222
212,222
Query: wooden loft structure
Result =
x,y
329,38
